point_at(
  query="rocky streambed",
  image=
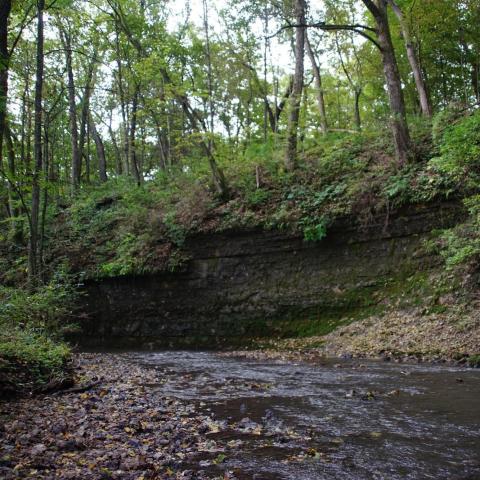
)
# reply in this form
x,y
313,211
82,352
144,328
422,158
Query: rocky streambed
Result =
x,y
177,414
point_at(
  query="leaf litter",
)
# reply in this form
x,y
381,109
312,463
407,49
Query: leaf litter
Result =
x,y
122,429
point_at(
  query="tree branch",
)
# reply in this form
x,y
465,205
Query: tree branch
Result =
x,y
357,28
372,7
23,25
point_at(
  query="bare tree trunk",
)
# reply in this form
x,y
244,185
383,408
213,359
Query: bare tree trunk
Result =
x,y
133,131
46,146
358,120
102,162
28,143
126,143
5,8
413,60
209,66
401,134
11,172
318,85
76,159
33,243
86,107
23,128
296,96
118,157
357,89
476,79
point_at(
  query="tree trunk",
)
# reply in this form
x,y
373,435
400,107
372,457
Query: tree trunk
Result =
x,y
33,243
5,8
476,80
126,143
8,136
46,148
72,107
133,131
86,107
398,120
102,162
118,157
318,86
413,60
358,120
296,96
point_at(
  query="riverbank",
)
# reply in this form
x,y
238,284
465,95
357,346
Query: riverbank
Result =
x,y
115,428
412,335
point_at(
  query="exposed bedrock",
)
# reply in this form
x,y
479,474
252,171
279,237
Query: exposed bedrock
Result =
x,y
243,284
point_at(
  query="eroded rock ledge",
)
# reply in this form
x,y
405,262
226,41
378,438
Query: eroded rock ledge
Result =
x,y
243,284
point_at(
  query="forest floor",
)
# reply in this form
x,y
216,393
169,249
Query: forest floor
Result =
x,y
115,429
401,335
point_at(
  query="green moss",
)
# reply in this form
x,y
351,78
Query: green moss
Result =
x,y
408,288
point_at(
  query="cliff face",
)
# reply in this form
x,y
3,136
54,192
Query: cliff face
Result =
x,y
238,285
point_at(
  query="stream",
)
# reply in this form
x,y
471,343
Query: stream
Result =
x,y
335,420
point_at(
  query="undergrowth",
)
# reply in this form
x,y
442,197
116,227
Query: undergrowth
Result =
x,y
32,355
119,228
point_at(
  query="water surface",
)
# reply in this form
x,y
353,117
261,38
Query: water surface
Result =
x,y
348,420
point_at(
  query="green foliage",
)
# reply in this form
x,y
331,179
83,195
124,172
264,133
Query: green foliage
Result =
x,y
474,361
31,355
460,151
29,360
461,245
131,255
443,120
459,164
315,233
44,310
257,197
134,230
176,232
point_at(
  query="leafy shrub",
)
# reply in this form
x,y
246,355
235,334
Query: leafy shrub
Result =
x,y
460,151
30,360
31,356
257,197
461,245
315,232
444,120
44,310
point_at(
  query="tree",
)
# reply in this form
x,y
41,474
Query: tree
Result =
x,y
72,108
100,147
355,79
296,95
318,85
398,119
38,148
383,42
413,60
5,9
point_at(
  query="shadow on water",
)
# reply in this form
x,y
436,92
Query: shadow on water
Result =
x,y
348,420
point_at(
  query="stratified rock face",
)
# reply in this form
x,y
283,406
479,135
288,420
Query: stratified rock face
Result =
x,y
238,285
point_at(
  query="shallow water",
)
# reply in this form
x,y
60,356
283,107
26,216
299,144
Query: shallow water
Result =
x,y
368,420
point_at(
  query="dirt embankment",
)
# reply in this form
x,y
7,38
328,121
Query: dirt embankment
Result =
x,y
399,335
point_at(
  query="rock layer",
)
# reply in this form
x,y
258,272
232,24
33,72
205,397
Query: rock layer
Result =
x,y
243,284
